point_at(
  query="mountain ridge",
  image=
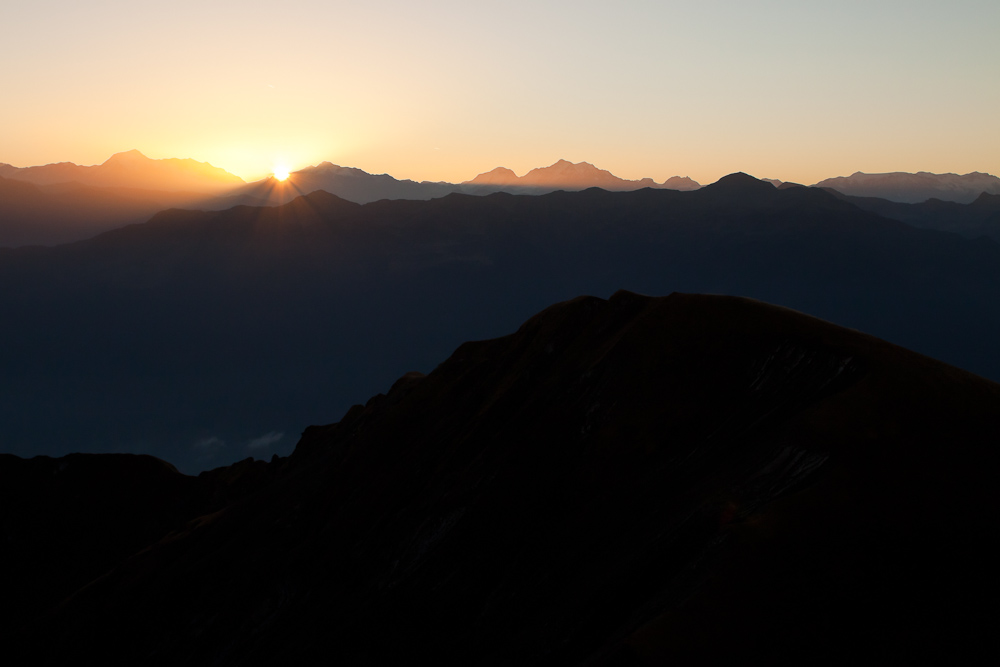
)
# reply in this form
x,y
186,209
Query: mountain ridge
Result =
x,y
362,187
632,480
564,174
131,169
915,188
196,324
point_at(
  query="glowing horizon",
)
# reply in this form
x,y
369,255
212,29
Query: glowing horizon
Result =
x,y
282,173
798,91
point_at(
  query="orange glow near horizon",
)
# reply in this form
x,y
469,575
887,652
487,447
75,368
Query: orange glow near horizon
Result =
x,y
281,173
648,90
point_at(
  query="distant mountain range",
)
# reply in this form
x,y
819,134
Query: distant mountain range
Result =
x,y
64,202
915,188
346,182
361,187
56,213
634,481
71,203
132,169
564,175
205,336
974,220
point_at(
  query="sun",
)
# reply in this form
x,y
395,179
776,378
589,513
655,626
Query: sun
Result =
x,y
281,173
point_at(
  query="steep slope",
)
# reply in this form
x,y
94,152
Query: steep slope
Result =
x,y
633,481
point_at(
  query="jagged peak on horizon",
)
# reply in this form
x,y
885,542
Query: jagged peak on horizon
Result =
x,y
913,173
126,156
566,163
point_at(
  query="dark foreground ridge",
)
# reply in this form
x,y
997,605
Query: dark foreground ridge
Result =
x,y
624,482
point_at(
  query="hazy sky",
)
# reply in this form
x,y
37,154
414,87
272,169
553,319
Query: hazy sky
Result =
x,y
445,90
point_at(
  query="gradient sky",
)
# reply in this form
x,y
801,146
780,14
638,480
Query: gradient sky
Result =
x,y
444,90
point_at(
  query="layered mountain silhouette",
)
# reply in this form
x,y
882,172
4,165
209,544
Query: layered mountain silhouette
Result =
x,y
131,169
74,202
361,187
64,212
978,218
204,337
974,220
565,175
915,188
64,202
347,182
632,481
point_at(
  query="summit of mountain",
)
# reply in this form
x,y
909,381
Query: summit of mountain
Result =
x,y
565,174
499,176
680,183
130,157
740,181
740,187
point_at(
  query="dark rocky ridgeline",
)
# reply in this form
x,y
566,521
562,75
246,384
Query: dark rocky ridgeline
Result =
x,y
624,482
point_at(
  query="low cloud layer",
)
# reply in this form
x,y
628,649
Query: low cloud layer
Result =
x,y
265,441
211,443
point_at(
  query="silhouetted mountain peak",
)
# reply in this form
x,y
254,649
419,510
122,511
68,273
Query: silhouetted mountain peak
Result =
x,y
566,173
741,182
127,157
331,170
498,176
681,183
326,200
566,165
